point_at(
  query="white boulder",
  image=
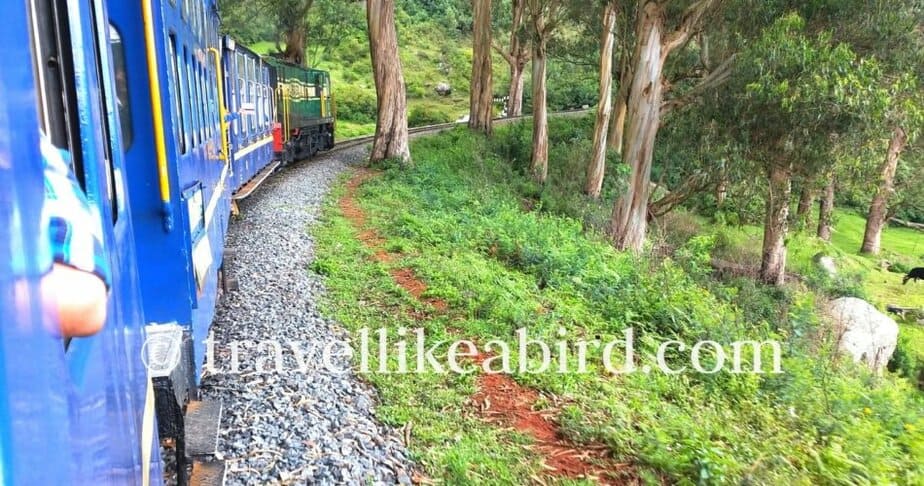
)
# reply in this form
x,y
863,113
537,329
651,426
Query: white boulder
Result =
x,y
864,333
826,263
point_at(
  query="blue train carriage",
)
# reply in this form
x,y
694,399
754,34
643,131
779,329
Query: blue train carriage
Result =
x,y
250,101
304,111
184,121
76,411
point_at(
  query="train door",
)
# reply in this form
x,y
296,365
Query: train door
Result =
x,y
95,389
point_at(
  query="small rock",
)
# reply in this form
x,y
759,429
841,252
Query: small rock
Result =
x,y
826,263
443,89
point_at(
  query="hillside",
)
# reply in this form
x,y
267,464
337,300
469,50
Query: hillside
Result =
x,y
463,246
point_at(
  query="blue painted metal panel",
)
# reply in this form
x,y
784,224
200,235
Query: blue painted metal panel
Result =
x,y
178,269
34,416
85,404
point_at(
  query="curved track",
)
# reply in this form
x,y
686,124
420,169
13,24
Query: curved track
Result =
x,y
352,142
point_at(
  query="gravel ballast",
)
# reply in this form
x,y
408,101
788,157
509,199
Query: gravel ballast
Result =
x,y
305,424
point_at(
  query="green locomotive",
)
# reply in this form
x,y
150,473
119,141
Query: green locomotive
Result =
x,y
304,110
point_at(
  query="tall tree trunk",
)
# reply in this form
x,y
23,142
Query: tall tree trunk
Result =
x,y
806,201
515,93
391,133
291,20
617,130
629,222
295,39
773,260
517,57
826,210
721,188
482,89
597,165
540,158
878,209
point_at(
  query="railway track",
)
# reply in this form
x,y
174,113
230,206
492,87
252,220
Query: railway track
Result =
x,y
269,170
353,142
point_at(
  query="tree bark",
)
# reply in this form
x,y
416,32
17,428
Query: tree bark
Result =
x,y
515,92
597,164
291,21
878,209
806,201
773,260
826,210
517,56
617,129
295,39
540,158
629,221
391,132
482,88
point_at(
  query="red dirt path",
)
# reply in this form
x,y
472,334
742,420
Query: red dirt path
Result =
x,y
503,401
499,399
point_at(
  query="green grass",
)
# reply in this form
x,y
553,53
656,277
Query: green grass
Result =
x,y
458,219
347,129
861,275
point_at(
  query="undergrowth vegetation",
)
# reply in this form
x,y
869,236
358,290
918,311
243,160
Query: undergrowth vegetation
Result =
x,y
506,254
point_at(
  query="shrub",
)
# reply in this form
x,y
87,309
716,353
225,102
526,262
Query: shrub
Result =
x,y
356,104
422,115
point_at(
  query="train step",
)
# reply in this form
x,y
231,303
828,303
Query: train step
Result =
x,y
254,183
207,473
202,421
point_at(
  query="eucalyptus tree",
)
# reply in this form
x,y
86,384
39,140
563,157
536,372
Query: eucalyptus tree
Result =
x,y
545,16
597,164
481,95
391,131
654,45
793,93
517,51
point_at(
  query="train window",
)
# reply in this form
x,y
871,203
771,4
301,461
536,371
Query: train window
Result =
x,y
185,12
180,130
211,83
190,15
197,89
253,103
203,102
121,86
201,11
206,100
54,67
190,98
242,120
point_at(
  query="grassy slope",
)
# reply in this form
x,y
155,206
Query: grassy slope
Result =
x,y
880,286
458,220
